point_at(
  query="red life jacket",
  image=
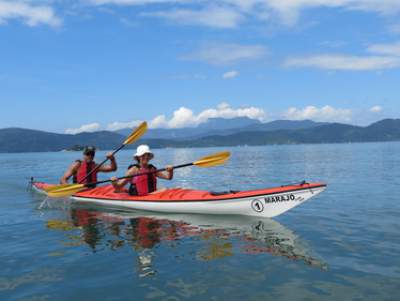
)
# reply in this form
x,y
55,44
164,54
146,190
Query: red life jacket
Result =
x,y
144,184
84,169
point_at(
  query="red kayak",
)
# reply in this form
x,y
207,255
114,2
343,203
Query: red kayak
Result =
x,y
267,202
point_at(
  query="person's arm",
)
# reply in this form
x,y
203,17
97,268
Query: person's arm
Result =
x,y
121,183
111,167
72,169
168,174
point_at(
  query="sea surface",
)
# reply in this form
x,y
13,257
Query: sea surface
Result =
x,y
343,244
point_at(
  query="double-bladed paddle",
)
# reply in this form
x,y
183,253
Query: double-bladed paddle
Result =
x,y
207,161
134,136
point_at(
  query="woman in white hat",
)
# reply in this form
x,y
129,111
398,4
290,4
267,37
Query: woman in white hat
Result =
x,y
146,183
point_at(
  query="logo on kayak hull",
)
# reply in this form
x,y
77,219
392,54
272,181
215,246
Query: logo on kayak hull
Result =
x,y
257,205
280,198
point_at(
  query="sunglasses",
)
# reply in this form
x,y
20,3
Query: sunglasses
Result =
x,y
90,154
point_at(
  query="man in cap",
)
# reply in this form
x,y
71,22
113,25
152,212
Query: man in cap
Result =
x,y
82,170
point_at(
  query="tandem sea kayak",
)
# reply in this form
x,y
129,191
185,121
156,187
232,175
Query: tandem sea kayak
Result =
x,y
268,202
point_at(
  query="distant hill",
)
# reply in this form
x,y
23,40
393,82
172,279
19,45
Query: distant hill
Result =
x,y
385,130
224,127
284,125
25,140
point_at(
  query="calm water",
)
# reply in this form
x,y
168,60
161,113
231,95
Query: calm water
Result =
x,y
342,245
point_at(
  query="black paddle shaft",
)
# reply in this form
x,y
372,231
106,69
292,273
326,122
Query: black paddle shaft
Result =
x,y
141,174
98,166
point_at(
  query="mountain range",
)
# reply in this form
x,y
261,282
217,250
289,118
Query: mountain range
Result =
x,y
216,132
223,127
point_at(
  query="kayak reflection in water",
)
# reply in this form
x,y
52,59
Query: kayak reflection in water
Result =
x,y
217,237
146,183
82,170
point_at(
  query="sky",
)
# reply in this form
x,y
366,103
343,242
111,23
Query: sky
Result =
x,y
69,66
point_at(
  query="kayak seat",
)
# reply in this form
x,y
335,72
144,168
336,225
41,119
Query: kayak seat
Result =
x,y
216,193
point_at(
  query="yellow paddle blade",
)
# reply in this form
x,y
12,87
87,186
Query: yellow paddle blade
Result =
x,y
213,160
137,133
66,191
55,187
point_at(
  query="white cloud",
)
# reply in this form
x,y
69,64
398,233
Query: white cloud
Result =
x,y
184,117
230,12
218,17
394,28
326,113
225,54
159,121
289,10
384,56
134,2
386,49
91,127
32,15
376,109
224,110
387,7
344,62
116,125
230,74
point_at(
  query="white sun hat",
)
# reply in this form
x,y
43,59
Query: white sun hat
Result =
x,y
143,149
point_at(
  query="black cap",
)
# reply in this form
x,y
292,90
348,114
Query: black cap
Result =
x,y
89,150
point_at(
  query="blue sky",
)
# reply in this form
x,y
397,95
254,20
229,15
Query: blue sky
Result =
x,y
74,65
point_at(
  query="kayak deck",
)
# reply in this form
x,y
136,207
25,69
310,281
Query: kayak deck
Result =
x,y
182,195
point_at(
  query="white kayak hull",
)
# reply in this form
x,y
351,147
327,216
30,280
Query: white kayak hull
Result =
x,y
268,205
